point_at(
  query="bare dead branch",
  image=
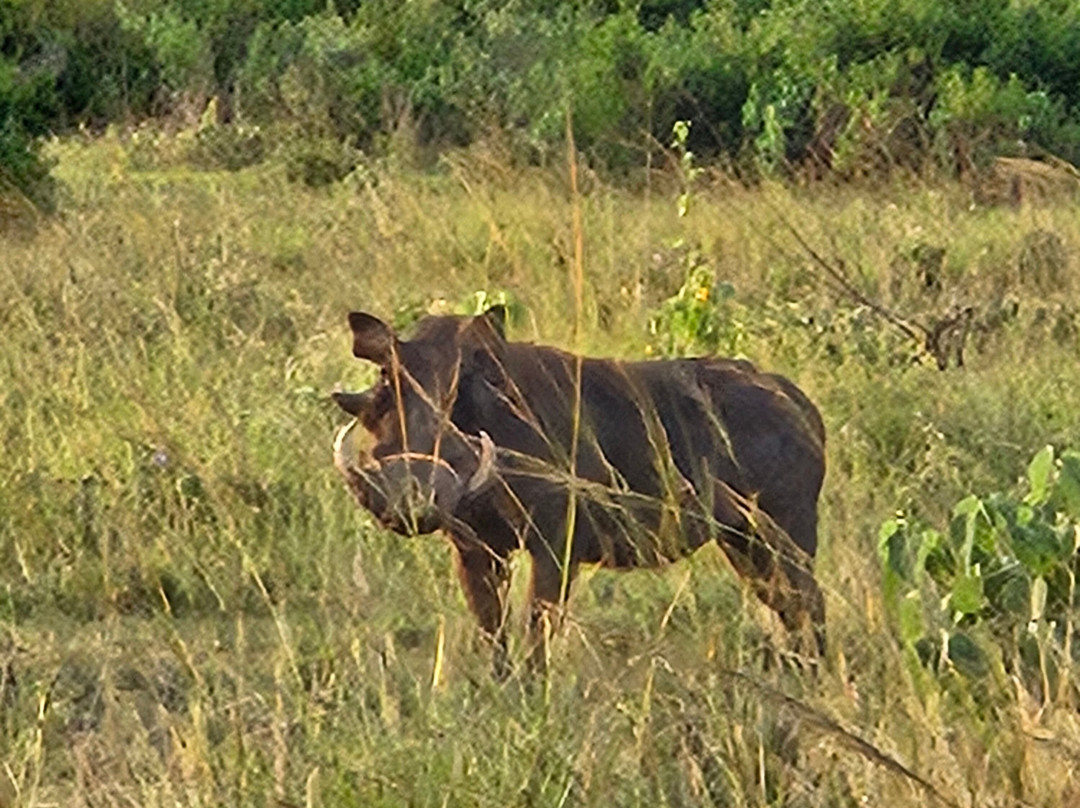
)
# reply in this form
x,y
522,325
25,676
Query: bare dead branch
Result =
x,y
945,336
840,277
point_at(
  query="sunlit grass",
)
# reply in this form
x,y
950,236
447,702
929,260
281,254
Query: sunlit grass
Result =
x,y
194,612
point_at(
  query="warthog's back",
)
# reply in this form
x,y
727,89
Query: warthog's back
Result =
x,y
709,418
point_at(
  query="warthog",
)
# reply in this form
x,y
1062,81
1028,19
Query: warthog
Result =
x,y
506,445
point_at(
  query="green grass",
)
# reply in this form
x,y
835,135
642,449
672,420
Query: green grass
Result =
x,y
193,612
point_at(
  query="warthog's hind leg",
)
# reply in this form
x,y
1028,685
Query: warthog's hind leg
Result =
x,y
779,570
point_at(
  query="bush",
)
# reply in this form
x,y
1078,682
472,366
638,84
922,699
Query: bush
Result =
x,y
22,170
701,318
998,582
774,87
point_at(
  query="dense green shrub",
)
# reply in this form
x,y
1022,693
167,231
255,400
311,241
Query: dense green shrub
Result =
x,y
998,582
774,86
21,168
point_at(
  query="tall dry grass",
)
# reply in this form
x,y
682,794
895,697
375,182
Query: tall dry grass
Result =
x,y
194,613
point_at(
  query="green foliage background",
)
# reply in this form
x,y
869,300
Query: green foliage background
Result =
x,y
856,84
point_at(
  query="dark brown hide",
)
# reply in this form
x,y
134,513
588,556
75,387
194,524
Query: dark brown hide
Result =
x,y
638,464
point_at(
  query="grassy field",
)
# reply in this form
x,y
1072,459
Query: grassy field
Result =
x,y
193,612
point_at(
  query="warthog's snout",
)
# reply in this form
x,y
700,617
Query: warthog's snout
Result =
x,y
409,493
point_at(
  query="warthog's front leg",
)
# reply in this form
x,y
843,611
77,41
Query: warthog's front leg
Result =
x,y
484,577
546,590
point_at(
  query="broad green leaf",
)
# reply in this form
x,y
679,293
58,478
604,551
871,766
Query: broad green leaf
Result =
x,y
931,545
967,593
967,506
1068,486
1041,547
941,563
1025,515
977,530
1008,589
968,658
1040,476
910,617
891,547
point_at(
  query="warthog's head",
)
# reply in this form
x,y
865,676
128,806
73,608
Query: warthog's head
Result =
x,y
402,456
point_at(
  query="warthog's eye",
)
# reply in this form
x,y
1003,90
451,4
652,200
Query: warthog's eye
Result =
x,y
384,377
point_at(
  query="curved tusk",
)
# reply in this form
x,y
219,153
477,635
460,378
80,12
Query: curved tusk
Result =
x,y
485,470
345,452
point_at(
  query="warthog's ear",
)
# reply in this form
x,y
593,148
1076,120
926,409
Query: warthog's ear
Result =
x,y
372,338
353,403
496,317
487,346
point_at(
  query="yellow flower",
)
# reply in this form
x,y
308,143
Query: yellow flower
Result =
x,y
702,294
648,350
